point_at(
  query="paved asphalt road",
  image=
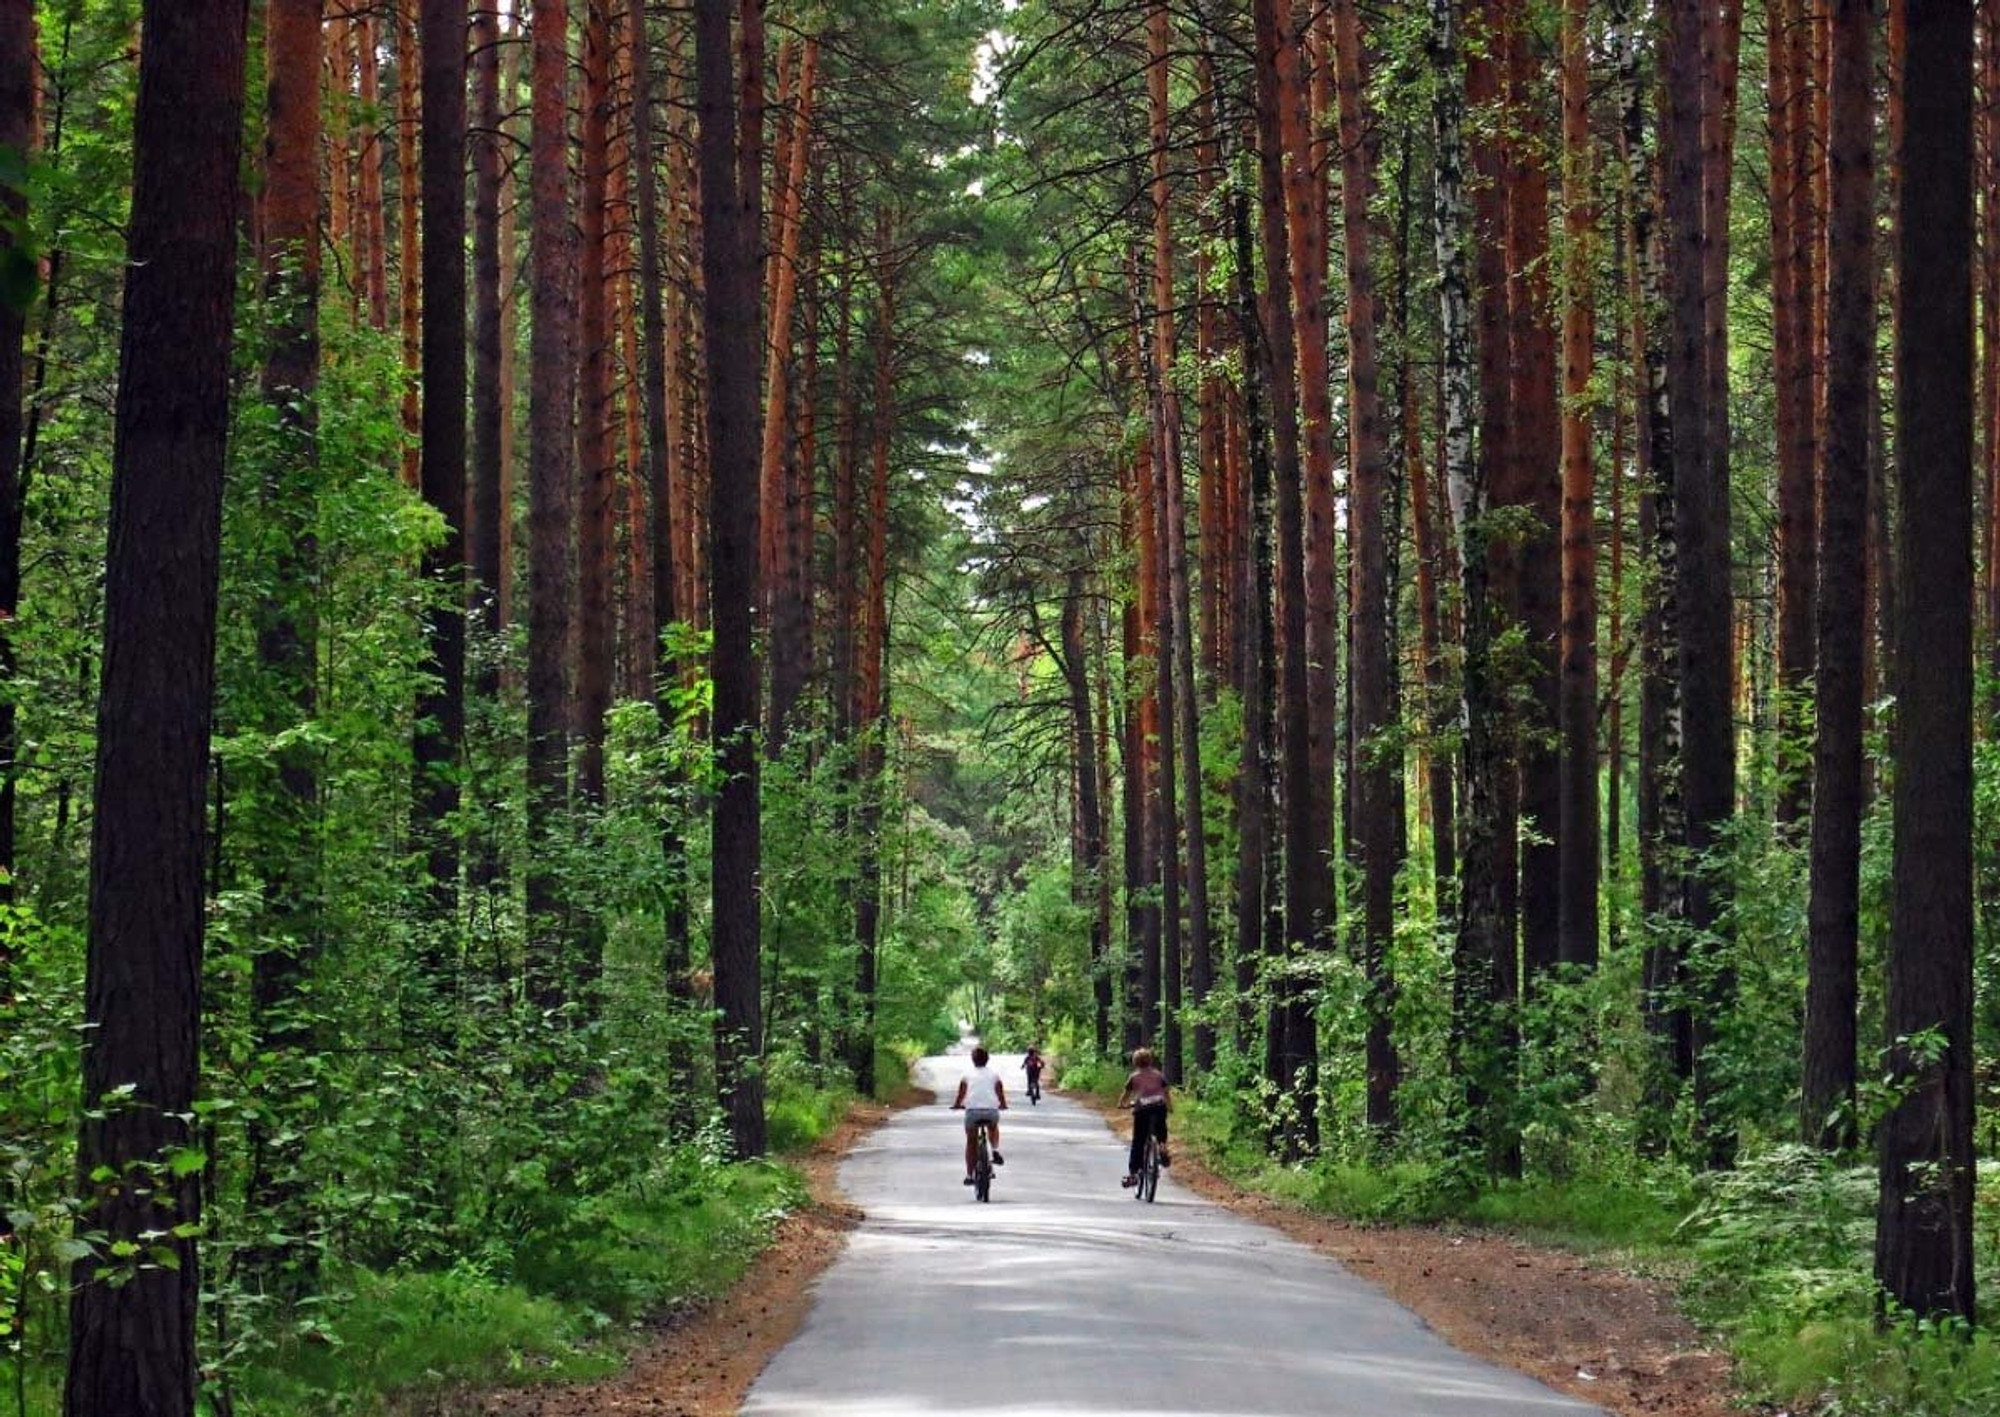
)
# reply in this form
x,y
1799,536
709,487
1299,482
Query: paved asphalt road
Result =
x,y
1064,1297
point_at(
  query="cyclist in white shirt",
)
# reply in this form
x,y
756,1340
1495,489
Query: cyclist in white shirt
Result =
x,y
982,1097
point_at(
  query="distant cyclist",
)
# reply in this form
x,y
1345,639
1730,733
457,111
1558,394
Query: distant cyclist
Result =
x,y
1151,1100
982,1097
1032,1064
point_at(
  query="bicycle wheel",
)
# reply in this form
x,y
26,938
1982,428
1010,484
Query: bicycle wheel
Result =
x,y
982,1176
1149,1179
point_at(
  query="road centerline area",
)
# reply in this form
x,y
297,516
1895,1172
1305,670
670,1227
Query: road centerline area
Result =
x,y
1065,1296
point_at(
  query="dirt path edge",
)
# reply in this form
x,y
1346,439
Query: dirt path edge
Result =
x,y
702,1361
1600,1334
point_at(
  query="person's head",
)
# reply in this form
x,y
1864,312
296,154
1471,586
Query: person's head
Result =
x,y
979,1057
1144,1058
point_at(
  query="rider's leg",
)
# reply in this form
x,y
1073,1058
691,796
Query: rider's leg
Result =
x,y
993,1131
971,1149
1136,1157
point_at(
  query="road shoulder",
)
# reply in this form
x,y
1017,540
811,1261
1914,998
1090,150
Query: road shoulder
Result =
x,y
1597,1333
700,1362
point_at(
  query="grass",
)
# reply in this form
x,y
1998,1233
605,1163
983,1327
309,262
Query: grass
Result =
x,y
570,1296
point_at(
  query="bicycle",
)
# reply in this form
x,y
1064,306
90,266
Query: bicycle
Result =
x,y
982,1168
1149,1171
1148,1174
1035,1088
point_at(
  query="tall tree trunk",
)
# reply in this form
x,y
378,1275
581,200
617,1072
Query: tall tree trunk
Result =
x,y
1923,1226
441,704
373,217
1662,1001
409,290
730,262
1535,482
1832,987
1793,353
663,475
551,498
791,650
1578,838
1087,870
596,514
1503,482
487,509
1256,630
1145,692
1374,780
1173,506
132,1344
1307,880
287,634
871,710
1306,226
1701,533
1482,931
1213,499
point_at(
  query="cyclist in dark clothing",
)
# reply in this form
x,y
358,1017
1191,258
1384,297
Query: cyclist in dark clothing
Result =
x,y
1032,1064
1151,1100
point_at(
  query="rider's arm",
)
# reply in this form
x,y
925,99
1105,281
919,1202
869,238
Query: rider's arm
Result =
x,y
1126,1095
959,1101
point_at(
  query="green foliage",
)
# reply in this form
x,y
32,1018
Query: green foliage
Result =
x,y
1783,1248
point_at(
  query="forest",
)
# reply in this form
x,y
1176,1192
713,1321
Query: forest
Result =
x,y
581,581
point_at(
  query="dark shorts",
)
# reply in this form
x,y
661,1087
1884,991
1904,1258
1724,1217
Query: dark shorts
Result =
x,y
976,1117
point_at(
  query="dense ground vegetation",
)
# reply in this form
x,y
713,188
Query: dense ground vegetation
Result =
x,y
623,569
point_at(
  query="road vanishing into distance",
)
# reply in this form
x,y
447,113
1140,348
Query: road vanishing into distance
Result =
x,y
1063,1297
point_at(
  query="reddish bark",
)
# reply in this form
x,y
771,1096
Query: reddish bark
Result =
x,y
1578,838
596,515
551,494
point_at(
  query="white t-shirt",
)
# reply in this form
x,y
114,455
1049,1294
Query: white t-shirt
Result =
x,y
982,1088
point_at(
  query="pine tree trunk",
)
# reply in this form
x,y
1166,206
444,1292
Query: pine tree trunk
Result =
x,y
1306,846
1494,868
1306,227
657,378
372,218
1088,868
441,705
1256,655
596,633
487,520
408,120
1701,534
1793,354
791,648
871,699
1923,1227
1535,482
1178,668
1373,783
1578,838
132,1344
551,498
1832,988
730,264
